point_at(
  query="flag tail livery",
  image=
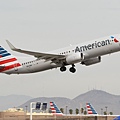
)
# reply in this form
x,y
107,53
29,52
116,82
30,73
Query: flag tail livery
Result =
x,y
7,61
54,109
90,109
88,53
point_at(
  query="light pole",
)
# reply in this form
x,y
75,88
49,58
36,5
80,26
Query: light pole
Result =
x,y
26,108
101,111
66,110
31,108
106,109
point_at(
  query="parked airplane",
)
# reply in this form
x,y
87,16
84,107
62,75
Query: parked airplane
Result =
x,y
87,54
90,109
55,110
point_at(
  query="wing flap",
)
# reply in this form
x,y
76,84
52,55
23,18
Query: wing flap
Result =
x,y
39,55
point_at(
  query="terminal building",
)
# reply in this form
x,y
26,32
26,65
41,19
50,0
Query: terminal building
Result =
x,y
39,111
20,114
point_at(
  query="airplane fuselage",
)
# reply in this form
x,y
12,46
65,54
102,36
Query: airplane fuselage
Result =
x,y
88,50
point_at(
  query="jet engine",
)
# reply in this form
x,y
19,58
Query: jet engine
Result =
x,y
91,61
74,58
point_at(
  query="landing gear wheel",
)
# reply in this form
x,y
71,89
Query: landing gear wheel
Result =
x,y
63,68
72,69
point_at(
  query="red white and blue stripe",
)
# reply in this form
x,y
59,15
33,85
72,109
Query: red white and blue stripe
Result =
x,y
90,109
115,40
55,109
7,60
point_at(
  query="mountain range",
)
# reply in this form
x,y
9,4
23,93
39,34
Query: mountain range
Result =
x,y
11,101
98,98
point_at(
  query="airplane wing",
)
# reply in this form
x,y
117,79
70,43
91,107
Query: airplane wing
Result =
x,y
40,55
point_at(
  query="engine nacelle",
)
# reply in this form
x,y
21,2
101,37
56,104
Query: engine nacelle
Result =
x,y
91,61
74,58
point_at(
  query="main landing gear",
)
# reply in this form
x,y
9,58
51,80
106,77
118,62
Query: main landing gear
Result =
x,y
72,69
63,68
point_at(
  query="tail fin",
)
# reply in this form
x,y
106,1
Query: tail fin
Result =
x,y
55,110
90,109
3,52
7,61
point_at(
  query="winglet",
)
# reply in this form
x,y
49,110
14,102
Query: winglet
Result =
x,y
10,45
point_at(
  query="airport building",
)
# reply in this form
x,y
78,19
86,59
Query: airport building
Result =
x,y
20,114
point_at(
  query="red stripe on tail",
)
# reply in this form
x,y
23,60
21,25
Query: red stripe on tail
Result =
x,y
10,67
7,61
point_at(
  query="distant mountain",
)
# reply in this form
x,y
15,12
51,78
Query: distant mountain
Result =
x,y
98,98
60,101
12,101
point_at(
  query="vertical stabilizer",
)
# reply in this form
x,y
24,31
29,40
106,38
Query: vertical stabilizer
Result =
x,y
7,61
90,109
55,110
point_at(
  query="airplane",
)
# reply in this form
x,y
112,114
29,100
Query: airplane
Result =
x,y
90,109
55,110
87,53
